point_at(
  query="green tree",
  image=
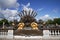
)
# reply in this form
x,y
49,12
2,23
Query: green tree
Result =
x,y
5,21
49,21
56,20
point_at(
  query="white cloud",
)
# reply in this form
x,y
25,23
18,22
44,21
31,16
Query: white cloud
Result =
x,y
10,14
1,16
55,10
9,4
26,7
56,17
40,9
45,17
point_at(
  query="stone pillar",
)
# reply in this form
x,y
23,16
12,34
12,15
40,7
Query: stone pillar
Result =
x,y
52,32
10,34
55,32
58,32
46,33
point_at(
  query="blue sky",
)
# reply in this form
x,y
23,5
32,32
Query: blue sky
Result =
x,y
46,9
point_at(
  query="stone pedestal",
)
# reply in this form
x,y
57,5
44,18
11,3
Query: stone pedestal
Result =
x,y
46,33
10,34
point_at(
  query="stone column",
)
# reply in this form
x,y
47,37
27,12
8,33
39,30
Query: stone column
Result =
x,y
10,34
50,32
46,33
58,32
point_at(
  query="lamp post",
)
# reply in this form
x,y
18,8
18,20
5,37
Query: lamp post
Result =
x,y
3,24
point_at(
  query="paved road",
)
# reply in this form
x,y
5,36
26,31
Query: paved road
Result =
x,y
33,38
29,39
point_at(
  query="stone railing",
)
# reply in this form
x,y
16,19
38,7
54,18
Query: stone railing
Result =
x,y
4,33
51,32
54,32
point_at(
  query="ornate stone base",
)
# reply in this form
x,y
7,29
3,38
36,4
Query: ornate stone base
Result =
x,y
28,32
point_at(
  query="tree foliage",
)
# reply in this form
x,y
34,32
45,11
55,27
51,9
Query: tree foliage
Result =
x,y
49,21
54,21
5,21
